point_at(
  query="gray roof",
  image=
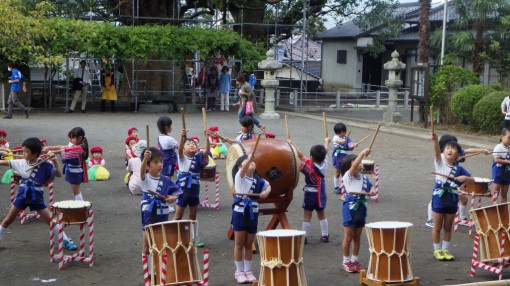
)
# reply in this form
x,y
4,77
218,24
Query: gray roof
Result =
x,y
436,14
347,30
312,68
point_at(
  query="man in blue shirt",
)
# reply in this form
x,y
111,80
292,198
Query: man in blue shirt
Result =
x,y
15,81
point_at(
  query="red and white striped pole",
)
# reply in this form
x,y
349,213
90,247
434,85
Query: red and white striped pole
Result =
x,y
52,237
13,187
145,266
91,238
456,220
205,282
81,251
471,206
376,187
50,188
163,268
217,196
495,195
475,254
60,227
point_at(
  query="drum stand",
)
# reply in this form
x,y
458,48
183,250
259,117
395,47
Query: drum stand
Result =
x,y
376,185
216,204
457,221
363,280
25,215
60,257
494,267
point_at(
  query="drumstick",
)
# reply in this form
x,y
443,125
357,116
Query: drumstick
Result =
x,y
157,194
287,127
348,134
431,120
375,135
362,140
494,152
446,176
256,144
36,165
147,134
248,195
469,155
325,124
222,138
183,120
204,118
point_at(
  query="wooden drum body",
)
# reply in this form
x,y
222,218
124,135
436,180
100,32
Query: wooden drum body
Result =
x,y
209,172
73,212
368,166
276,161
389,251
480,187
490,222
281,257
172,242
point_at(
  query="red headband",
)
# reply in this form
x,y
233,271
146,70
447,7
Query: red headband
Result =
x,y
130,130
96,149
213,128
270,135
129,139
3,133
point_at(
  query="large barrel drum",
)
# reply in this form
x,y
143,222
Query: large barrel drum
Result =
x,y
276,161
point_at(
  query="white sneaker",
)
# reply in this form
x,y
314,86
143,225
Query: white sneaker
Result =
x,y
250,277
430,223
240,277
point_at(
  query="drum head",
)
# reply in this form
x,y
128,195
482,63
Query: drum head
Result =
x,y
388,224
367,162
170,222
482,180
234,152
281,233
69,204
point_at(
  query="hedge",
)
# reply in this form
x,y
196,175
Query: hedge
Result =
x,y
487,116
464,99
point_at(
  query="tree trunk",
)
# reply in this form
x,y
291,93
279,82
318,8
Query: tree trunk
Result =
x,y
479,47
248,13
423,47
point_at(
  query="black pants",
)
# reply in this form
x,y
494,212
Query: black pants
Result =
x,y
103,105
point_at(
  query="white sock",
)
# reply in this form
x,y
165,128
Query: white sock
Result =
x,y
55,232
78,197
462,210
429,211
437,246
446,245
354,258
335,181
324,226
247,265
239,265
347,259
305,227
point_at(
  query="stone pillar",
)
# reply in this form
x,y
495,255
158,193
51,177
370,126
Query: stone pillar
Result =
x,y
393,83
270,83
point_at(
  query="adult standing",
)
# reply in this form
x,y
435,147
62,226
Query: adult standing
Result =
x,y
246,94
81,86
108,89
15,81
225,80
505,109
211,88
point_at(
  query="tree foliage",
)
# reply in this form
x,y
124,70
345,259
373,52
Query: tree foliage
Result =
x,y
487,117
464,99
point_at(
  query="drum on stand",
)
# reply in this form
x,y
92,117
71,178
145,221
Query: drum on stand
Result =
x,y
73,212
480,187
368,166
172,241
490,222
209,172
281,256
389,251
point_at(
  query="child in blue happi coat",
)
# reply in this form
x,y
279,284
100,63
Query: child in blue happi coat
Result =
x,y
168,145
341,145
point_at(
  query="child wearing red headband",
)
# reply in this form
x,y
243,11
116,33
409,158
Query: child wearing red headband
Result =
x,y
218,148
3,143
96,170
130,142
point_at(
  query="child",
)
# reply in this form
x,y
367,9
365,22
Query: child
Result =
x,y
154,209
130,141
501,165
245,215
315,197
190,164
74,157
341,144
167,145
445,198
354,209
30,192
463,199
134,164
133,132
96,169
218,148
3,143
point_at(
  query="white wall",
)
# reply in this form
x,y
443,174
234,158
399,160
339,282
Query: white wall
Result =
x,y
288,72
345,77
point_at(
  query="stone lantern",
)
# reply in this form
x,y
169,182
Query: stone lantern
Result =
x,y
393,83
270,83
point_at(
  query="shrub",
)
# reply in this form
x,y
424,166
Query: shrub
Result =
x,y
487,117
464,99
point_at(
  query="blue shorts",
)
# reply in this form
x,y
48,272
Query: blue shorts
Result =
x,y
150,218
36,205
500,175
310,202
184,201
74,178
337,160
353,218
243,222
447,204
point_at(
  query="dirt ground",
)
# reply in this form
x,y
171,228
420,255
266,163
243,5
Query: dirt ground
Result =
x,y
403,154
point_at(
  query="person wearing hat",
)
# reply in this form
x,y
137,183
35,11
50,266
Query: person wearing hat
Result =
x,y
270,135
133,131
3,143
95,164
130,142
218,148
134,165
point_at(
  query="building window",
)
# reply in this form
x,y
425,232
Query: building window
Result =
x,y
341,56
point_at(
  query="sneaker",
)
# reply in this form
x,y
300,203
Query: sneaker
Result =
x,y
325,238
430,223
27,113
447,255
240,277
69,111
349,267
338,190
198,242
439,255
69,244
7,116
250,277
358,265
83,111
